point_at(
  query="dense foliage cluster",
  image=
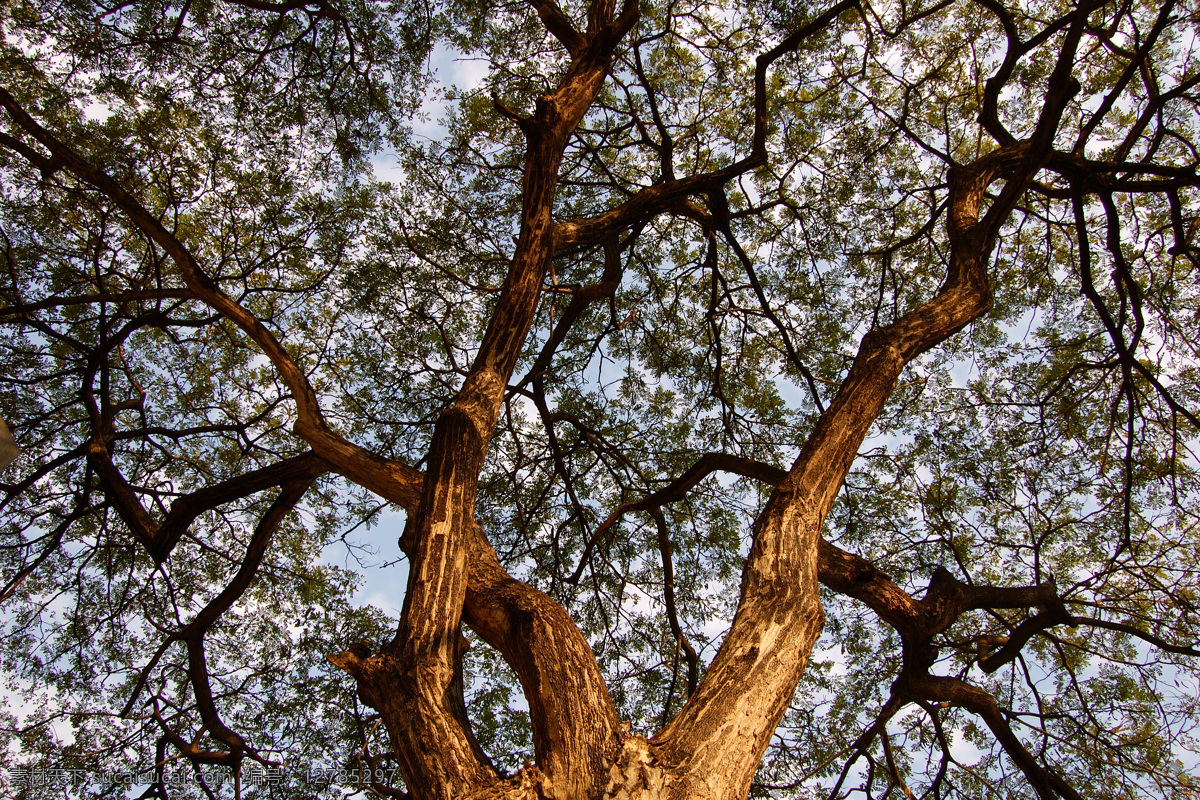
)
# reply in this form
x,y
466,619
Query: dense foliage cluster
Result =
x,y
228,347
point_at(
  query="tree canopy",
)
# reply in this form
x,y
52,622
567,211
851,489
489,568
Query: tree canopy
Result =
x,y
783,399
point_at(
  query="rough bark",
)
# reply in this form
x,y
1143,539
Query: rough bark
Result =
x,y
779,616
8,446
713,747
410,682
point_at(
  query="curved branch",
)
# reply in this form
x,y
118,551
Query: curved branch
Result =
x,y
664,549
289,495
1045,781
305,467
1157,641
706,465
192,634
653,200
559,675
393,481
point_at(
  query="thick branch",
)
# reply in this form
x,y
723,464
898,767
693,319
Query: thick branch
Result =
x,y
576,731
653,200
779,615
192,634
393,481
123,499
410,682
1044,781
560,26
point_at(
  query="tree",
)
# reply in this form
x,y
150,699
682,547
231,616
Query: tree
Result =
x,y
782,399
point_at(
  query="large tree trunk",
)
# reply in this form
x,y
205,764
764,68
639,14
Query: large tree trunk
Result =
x,y
713,748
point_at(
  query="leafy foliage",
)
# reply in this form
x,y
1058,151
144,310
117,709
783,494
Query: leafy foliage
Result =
x,y
1049,444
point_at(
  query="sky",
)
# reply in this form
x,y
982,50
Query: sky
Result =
x,y
386,576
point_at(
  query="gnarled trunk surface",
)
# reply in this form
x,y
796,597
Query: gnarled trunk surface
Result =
x,y
713,747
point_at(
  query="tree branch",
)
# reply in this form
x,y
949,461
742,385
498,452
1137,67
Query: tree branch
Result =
x,y
653,200
391,480
449,564
560,26
1047,783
